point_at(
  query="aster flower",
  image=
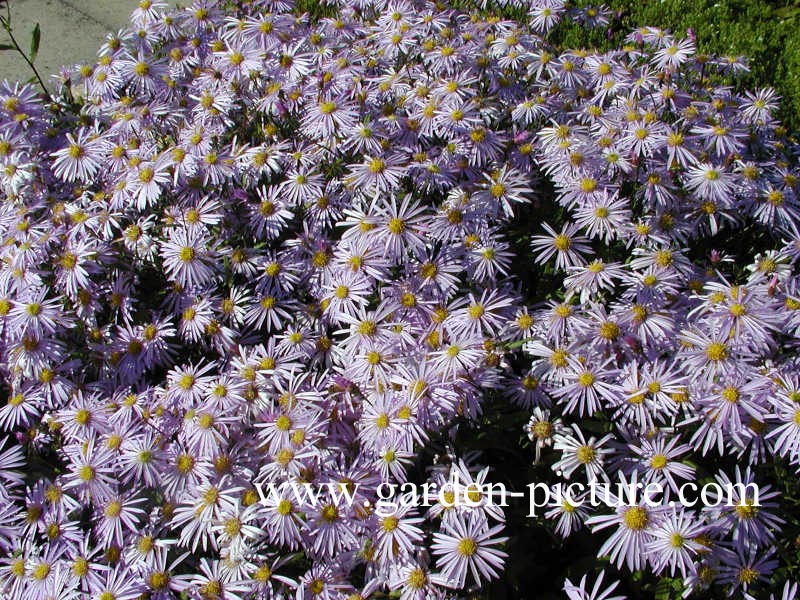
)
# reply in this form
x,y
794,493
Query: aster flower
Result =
x,y
569,512
236,530
91,472
787,433
586,386
578,452
746,510
490,260
80,159
415,582
159,577
657,461
581,591
707,354
481,316
746,567
674,543
567,247
634,526
467,546
759,106
379,173
710,182
673,55
400,228
187,258
540,429
35,315
398,533
116,513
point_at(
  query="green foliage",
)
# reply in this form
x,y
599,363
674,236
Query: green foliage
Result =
x,y
766,32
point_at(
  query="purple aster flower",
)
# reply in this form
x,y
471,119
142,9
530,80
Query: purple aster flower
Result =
x,y
80,160
582,592
567,247
467,545
674,544
187,258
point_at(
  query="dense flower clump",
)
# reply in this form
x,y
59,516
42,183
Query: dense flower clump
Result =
x,y
248,250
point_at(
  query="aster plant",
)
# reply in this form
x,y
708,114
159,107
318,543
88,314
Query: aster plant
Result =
x,y
259,265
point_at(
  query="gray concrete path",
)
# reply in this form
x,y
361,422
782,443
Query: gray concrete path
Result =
x,y
72,31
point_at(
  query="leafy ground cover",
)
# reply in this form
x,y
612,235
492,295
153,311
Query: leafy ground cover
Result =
x,y
767,33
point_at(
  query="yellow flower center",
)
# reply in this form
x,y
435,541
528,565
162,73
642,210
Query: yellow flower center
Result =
x,y
396,226
609,330
330,513
389,524
467,547
41,571
233,527
86,473
745,510
158,580
184,463
186,254
113,509
585,454
417,579
716,351
262,574
76,151
676,540
559,358
475,311
284,507
368,328
562,243
186,381
542,430
376,166
636,518
747,575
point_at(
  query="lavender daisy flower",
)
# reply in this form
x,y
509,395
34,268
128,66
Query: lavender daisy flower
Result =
x,y
628,543
674,544
578,452
187,258
398,533
80,160
567,247
581,591
748,517
745,568
468,546
570,513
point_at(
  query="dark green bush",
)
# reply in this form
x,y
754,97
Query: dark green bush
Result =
x,y
766,32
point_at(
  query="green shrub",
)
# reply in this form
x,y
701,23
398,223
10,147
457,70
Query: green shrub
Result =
x,y
767,33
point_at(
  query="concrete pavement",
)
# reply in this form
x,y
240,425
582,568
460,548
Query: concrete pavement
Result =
x,y
71,32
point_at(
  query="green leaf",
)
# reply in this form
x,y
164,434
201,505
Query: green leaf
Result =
x,y
36,36
787,12
663,589
6,47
